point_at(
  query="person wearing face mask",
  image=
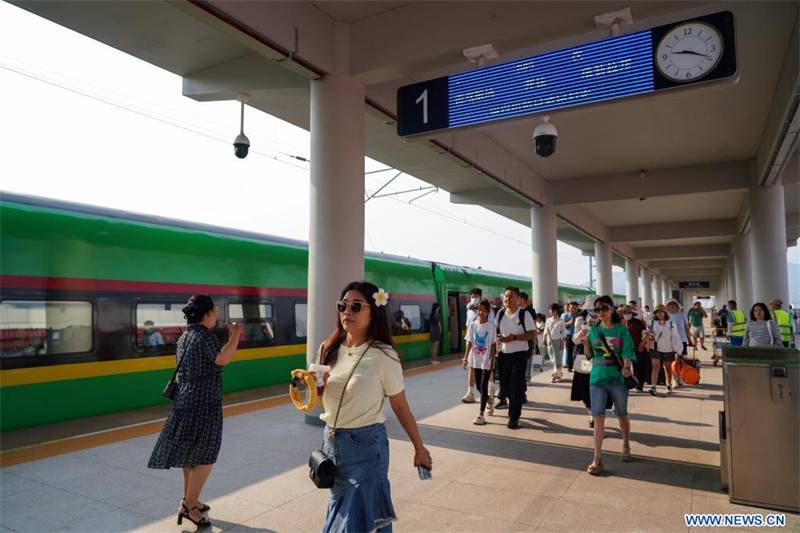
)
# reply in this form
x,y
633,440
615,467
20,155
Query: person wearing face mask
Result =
x,y
641,368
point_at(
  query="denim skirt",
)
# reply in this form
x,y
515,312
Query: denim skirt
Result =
x,y
361,500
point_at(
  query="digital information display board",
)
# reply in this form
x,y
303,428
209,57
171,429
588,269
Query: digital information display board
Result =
x,y
614,68
694,284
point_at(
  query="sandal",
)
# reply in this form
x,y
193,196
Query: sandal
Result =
x,y
204,522
625,456
203,508
596,467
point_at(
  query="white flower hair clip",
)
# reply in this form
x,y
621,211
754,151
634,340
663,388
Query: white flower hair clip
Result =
x,y
381,297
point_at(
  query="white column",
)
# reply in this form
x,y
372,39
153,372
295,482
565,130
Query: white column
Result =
x,y
336,229
730,281
602,257
744,273
648,288
659,299
632,280
768,244
665,290
545,257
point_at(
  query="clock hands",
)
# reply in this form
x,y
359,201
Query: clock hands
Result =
x,y
690,52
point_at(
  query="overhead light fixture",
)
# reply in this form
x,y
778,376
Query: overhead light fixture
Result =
x,y
614,20
479,54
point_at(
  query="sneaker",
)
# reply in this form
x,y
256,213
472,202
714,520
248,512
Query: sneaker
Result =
x,y
490,409
502,404
652,391
479,421
703,348
529,383
513,423
468,398
436,363
669,390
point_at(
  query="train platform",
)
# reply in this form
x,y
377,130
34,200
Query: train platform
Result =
x,y
486,478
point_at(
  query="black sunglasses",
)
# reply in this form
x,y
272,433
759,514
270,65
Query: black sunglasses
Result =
x,y
355,307
602,309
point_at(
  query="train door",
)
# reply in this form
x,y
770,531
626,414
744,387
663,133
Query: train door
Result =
x,y
453,322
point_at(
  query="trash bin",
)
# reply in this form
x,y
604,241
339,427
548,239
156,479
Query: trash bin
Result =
x,y
762,414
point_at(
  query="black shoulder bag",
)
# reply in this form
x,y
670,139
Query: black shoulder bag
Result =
x,y
171,389
631,382
322,470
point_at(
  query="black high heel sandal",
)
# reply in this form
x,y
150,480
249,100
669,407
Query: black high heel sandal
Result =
x,y
203,509
201,524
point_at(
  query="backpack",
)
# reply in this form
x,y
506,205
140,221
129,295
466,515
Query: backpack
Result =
x,y
521,315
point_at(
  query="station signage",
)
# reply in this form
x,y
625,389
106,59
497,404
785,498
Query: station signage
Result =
x,y
695,284
665,57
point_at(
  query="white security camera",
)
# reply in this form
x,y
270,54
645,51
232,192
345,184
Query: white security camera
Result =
x,y
544,138
241,144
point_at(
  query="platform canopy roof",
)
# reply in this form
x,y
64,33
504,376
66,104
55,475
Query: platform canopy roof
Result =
x,y
701,147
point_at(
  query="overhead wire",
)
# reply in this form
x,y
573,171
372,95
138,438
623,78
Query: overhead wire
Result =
x,y
131,109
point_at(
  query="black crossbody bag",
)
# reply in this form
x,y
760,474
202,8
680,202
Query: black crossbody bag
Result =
x,y
172,386
631,382
321,468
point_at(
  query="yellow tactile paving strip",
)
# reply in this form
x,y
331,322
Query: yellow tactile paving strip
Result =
x,y
74,444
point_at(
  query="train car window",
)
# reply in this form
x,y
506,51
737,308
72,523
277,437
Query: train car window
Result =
x,y
407,319
159,324
300,320
258,320
30,328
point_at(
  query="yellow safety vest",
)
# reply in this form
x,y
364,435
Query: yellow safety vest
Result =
x,y
738,323
784,324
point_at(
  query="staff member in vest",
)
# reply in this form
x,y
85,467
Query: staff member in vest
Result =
x,y
512,340
784,321
736,324
365,370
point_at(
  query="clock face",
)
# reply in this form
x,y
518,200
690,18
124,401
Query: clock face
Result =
x,y
689,51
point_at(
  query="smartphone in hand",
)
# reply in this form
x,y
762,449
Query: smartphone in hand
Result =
x,y
424,473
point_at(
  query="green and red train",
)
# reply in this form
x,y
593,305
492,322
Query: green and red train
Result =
x,y
90,303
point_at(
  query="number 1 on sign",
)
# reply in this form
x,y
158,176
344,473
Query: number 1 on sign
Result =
x,y
424,99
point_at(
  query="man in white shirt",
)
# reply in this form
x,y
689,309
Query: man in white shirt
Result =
x,y
515,327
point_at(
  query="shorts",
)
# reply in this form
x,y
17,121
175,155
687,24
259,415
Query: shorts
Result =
x,y
698,331
600,394
664,357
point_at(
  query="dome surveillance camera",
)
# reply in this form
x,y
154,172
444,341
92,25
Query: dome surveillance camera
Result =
x,y
544,138
241,146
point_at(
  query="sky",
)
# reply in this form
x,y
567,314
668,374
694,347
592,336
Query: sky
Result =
x,y
86,123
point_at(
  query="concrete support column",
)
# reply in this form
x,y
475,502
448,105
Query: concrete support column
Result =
x,y
768,244
632,280
602,257
730,281
744,272
658,290
648,288
545,257
665,290
336,229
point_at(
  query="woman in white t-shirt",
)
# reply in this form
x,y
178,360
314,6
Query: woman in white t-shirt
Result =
x,y
554,333
363,359
481,346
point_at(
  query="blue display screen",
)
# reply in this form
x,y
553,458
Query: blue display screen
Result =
x,y
614,68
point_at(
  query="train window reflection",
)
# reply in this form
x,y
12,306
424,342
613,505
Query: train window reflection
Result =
x,y
407,319
29,328
159,324
300,320
257,318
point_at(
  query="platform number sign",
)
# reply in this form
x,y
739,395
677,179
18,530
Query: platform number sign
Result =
x,y
427,106
673,55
